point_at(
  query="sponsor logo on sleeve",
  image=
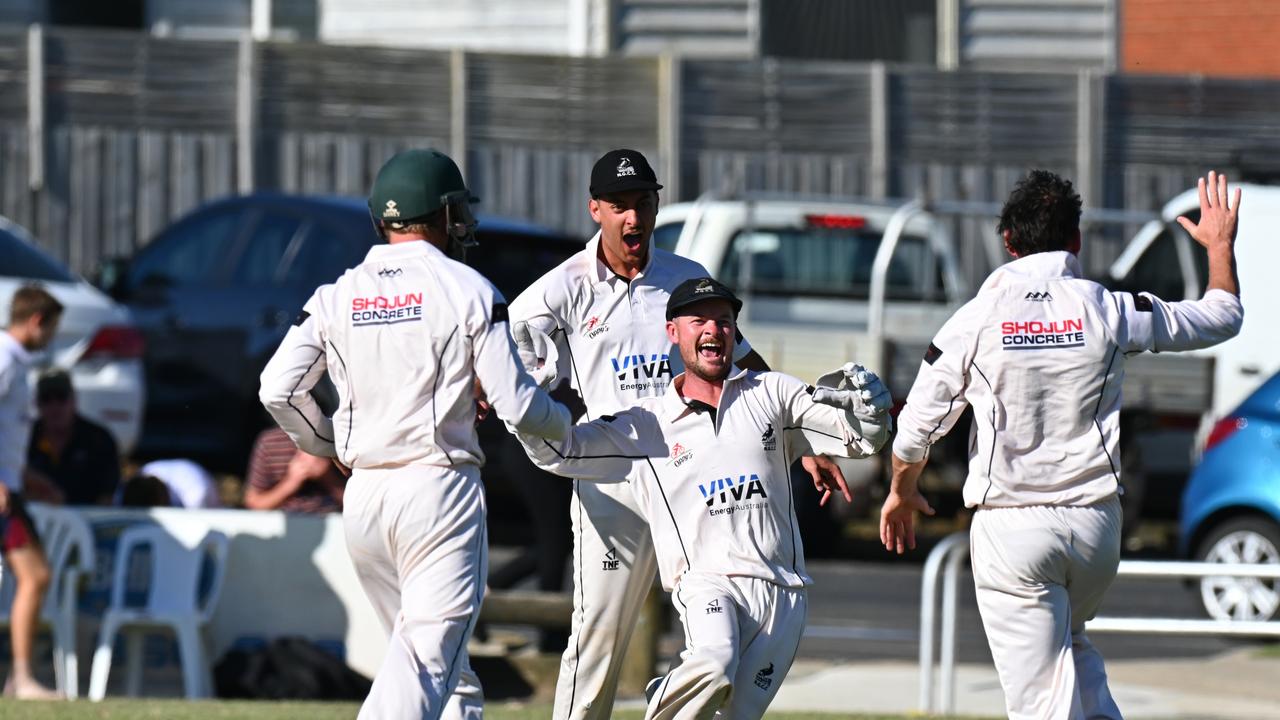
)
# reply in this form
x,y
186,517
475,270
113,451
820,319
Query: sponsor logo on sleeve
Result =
x,y
1042,335
725,496
932,354
386,310
769,440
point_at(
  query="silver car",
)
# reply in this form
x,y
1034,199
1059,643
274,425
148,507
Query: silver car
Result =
x,y
95,341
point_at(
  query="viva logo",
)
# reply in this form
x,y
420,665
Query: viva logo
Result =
x,y
726,490
640,367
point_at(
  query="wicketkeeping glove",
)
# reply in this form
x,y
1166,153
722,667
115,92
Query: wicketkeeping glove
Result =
x,y
860,393
537,353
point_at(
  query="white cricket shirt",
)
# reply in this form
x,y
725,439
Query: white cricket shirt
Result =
x,y
16,411
1039,354
404,335
716,491
610,334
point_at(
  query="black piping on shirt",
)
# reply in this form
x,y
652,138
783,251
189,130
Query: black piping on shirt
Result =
x,y
298,410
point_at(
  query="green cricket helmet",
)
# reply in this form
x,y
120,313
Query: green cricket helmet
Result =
x,y
415,185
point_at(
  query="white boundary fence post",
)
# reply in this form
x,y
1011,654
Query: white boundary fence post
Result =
x,y
929,609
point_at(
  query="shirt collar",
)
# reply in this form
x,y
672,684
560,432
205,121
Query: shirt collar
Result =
x,y
402,250
11,344
674,406
1039,266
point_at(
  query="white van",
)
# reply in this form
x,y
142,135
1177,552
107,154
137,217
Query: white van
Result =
x,y
1164,260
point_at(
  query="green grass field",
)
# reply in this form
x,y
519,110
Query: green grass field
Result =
x,y
222,709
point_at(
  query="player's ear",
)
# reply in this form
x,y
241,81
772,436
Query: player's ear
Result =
x,y
1008,248
593,206
1073,246
672,335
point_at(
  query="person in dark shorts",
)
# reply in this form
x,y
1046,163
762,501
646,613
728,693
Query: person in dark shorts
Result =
x,y
33,320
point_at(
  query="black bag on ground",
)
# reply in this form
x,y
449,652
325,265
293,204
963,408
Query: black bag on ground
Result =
x,y
288,668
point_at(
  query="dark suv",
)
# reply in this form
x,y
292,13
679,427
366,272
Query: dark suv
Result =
x,y
215,292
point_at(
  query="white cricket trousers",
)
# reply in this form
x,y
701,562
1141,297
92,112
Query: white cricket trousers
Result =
x,y
1040,573
741,636
613,571
417,539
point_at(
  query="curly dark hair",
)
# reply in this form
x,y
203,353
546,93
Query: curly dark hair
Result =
x,y
1042,214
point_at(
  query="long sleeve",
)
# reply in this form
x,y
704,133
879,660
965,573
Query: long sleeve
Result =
x,y
515,397
818,429
1147,323
937,397
286,382
605,449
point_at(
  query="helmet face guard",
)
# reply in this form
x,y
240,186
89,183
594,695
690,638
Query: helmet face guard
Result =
x,y
459,223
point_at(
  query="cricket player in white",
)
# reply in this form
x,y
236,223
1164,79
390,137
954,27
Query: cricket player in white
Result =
x,y
404,336
603,310
708,464
1039,354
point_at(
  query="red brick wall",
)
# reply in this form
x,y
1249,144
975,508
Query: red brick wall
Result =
x,y
1237,38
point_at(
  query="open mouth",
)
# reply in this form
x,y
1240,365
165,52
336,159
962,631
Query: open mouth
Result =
x,y
712,350
633,240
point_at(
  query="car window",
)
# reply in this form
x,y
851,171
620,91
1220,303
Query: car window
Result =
x,y
1157,270
327,250
831,263
259,264
666,236
192,253
512,261
23,261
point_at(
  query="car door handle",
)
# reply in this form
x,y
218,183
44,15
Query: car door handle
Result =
x,y
1250,370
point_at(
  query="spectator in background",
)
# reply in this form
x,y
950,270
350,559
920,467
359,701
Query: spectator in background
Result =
x,y
282,477
144,491
33,319
76,455
190,486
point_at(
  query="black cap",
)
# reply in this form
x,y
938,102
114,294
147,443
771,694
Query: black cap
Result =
x,y
697,290
621,171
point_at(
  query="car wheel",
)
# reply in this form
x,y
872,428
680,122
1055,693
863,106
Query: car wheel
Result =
x,y
1243,540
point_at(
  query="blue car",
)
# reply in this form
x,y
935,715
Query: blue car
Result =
x,y
1231,506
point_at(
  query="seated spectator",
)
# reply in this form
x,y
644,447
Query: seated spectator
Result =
x,y
75,454
282,477
189,485
145,491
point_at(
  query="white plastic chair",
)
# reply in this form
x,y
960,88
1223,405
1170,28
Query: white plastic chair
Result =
x,y
68,547
172,602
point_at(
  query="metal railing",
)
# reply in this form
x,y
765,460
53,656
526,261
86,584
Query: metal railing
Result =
x,y
948,557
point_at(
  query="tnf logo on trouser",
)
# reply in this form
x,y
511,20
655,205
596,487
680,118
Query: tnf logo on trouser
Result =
x,y
610,561
764,678
713,607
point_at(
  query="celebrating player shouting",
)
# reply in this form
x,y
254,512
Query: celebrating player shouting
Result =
x,y
404,335
708,465
602,310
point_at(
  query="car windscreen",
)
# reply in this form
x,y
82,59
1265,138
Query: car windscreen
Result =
x,y
23,261
829,262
